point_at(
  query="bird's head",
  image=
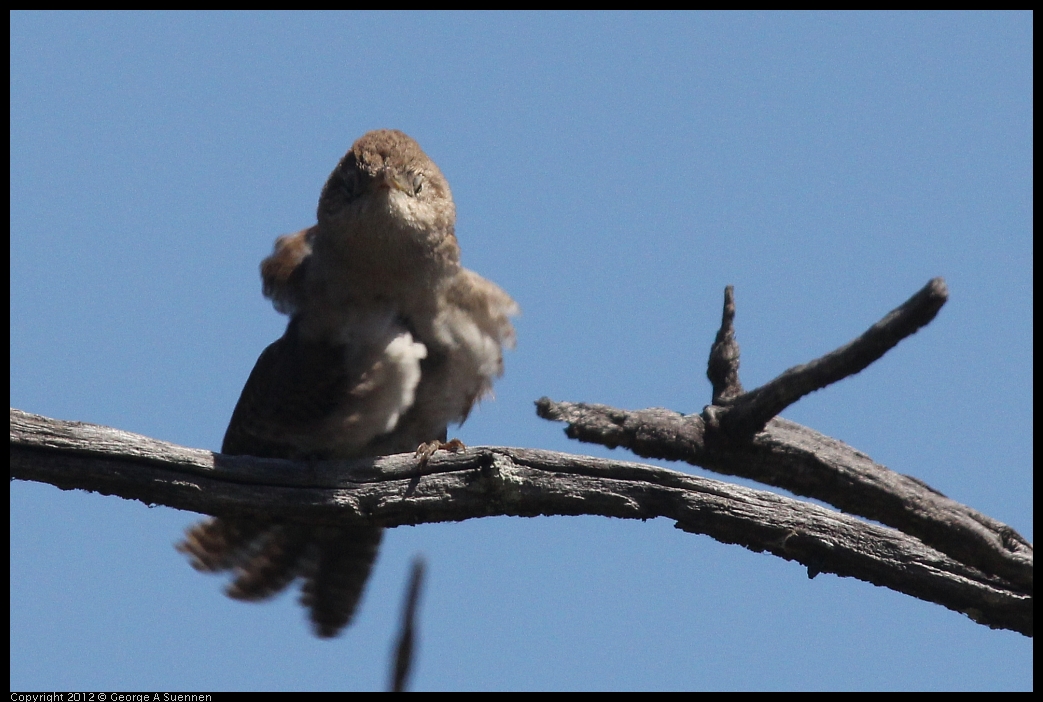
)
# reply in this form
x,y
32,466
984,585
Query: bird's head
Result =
x,y
385,185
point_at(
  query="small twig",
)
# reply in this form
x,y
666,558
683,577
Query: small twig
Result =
x,y
405,648
748,413
723,368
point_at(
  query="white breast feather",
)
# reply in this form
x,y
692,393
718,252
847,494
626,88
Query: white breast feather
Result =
x,y
404,355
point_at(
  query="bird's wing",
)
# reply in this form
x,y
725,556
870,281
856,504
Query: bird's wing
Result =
x,y
282,273
310,399
322,399
486,303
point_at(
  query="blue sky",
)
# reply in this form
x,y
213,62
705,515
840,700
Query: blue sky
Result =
x,y
613,172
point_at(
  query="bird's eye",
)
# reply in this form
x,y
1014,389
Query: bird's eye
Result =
x,y
418,184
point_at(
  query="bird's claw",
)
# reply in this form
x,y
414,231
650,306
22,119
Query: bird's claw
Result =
x,y
426,450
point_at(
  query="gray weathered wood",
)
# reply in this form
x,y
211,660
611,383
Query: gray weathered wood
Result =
x,y
491,481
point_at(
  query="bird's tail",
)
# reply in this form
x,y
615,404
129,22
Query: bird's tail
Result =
x,y
265,557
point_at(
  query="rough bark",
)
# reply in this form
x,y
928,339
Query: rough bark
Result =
x,y
930,546
490,481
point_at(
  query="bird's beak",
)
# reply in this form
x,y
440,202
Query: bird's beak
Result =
x,y
388,179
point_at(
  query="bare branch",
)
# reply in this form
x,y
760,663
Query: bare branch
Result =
x,y
723,368
406,646
807,463
737,435
748,413
478,482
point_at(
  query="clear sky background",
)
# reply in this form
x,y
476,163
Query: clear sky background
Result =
x,y
613,172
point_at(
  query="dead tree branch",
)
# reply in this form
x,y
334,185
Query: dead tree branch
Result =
x,y
491,481
749,412
740,434
932,548
799,459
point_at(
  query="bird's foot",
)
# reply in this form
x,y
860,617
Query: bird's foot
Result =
x,y
426,450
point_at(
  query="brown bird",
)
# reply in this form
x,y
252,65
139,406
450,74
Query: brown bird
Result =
x,y
389,341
